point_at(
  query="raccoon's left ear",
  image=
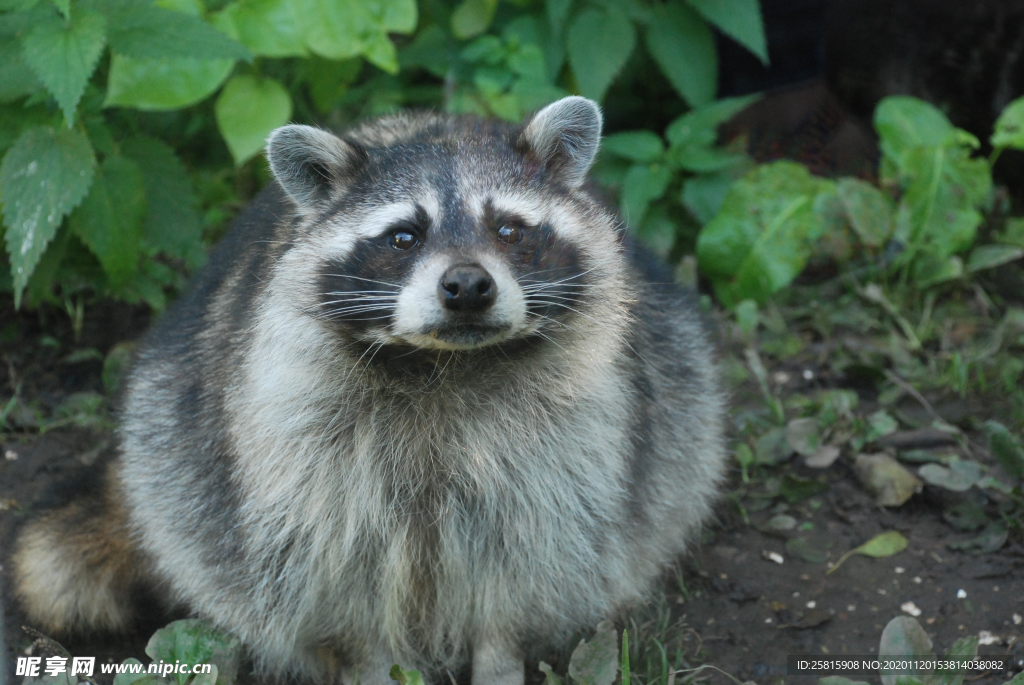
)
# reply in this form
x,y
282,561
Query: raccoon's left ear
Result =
x,y
564,136
309,162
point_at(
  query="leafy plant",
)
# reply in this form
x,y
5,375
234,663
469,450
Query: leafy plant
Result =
x,y
114,112
917,224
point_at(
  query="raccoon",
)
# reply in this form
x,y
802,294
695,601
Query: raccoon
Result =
x,y
426,404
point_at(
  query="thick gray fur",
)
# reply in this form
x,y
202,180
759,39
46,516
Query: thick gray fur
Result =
x,y
462,503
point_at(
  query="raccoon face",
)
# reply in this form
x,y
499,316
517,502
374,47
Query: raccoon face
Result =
x,y
445,233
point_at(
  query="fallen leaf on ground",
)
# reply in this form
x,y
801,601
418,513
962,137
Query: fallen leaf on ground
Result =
x,y
886,479
882,545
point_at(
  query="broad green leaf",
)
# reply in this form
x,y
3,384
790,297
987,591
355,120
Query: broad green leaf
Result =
x,y
144,30
904,637
738,19
380,51
763,236
63,54
868,210
331,29
938,213
44,175
929,270
643,184
637,146
194,641
600,41
339,29
550,677
405,677
109,220
163,84
803,435
960,476
395,16
882,545
16,78
267,27
173,225
681,43
990,256
473,17
596,662
702,160
1009,128
700,126
990,540
247,110
964,648
905,122
1006,449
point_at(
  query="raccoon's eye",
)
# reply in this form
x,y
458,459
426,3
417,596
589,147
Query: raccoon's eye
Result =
x,y
510,234
403,240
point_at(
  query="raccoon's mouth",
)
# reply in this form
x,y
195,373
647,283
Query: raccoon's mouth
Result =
x,y
463,336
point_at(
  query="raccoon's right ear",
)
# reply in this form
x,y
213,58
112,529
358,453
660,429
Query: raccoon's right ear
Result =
x,y
308,162
564,137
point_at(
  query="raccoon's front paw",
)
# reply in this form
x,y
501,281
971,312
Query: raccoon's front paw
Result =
x,y
496,664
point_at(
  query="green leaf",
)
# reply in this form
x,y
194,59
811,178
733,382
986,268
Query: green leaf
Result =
x,y
44,175
600,41
990,540
700,126
703,195
1006,449
701,160
869,211
109,221
404,677
763,236
339,29
194,641
990,256
960,476
904,123
904,637
1009,128
642,185
558,12
63,54
144,30
141,678
550,677
247,110
16,78
682,45
163,84
395,16
637,146
473,17
173,225
882,545
738,19
267,27
596,662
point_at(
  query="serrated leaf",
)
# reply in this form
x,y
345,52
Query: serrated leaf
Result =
x,y
109,220
163,84
763,236
990,256
473,17
596,662
599,42
267,27
144,30
869,211
682,45
247,110
700,126
637,146
1009,128
173,225
738,19
44,175
63,54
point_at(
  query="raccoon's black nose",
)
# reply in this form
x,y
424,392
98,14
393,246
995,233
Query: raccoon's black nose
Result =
x,y
467,288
